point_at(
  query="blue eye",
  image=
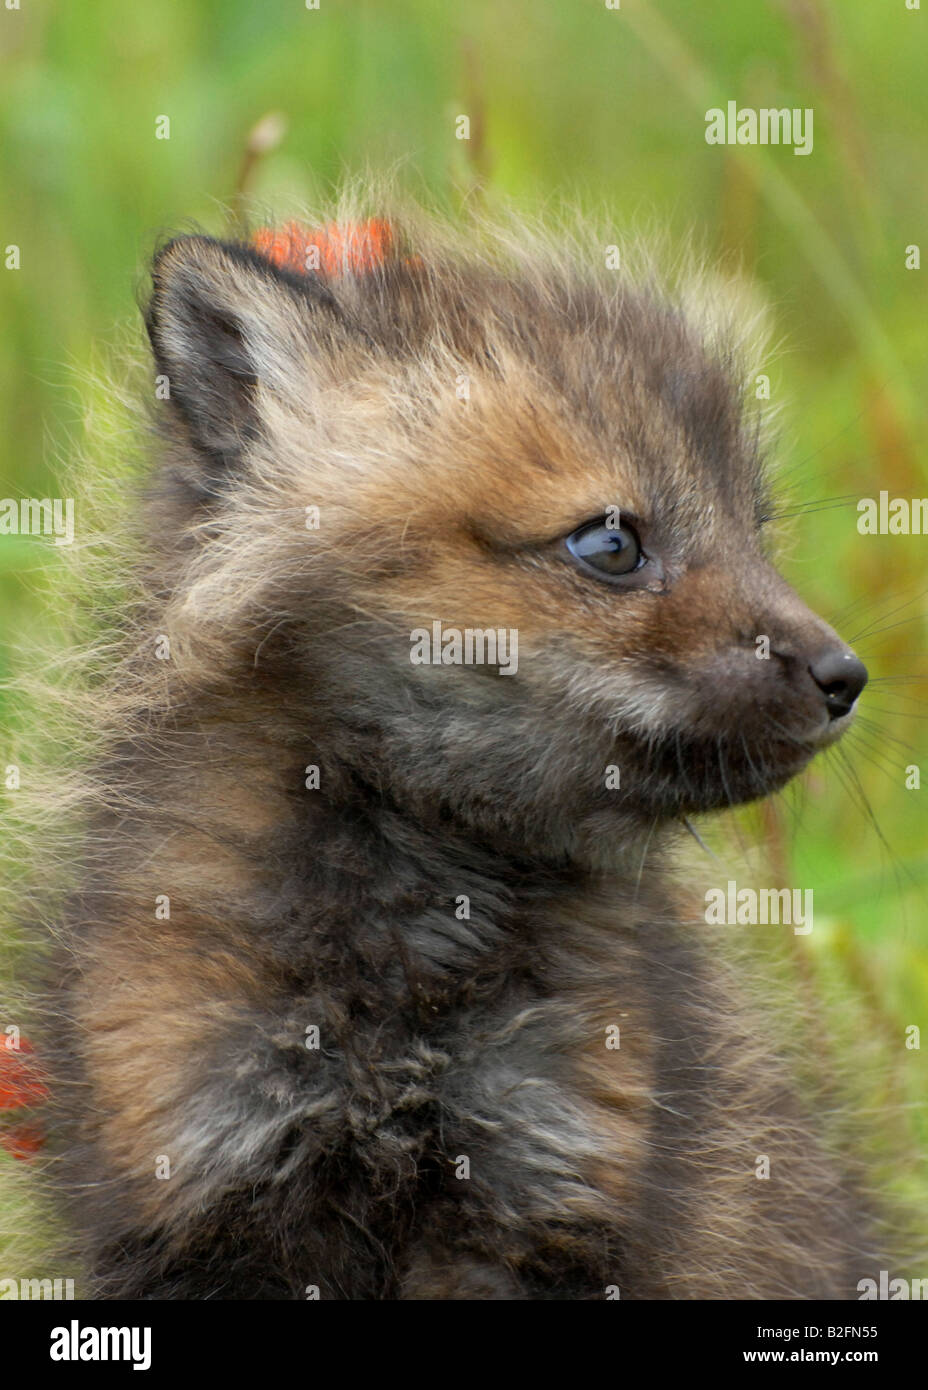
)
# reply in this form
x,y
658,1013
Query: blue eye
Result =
x,y
612,550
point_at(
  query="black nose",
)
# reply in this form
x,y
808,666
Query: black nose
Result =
x,y
840,676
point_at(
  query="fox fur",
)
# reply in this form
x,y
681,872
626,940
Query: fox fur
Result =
x,y
295,836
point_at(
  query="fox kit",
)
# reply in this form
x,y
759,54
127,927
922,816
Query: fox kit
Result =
x,y
377,984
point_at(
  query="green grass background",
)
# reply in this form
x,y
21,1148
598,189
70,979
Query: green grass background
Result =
x,y
571,101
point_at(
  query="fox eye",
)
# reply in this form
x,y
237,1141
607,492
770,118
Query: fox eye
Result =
x,y
611,550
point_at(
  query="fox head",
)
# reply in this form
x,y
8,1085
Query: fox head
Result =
x,y
370,456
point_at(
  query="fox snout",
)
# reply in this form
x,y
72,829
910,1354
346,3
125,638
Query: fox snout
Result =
x,y
766,661
822,676
762,684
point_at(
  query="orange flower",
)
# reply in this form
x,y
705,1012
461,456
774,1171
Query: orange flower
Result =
x,y
20,1081
21,1086
357,247
23,1142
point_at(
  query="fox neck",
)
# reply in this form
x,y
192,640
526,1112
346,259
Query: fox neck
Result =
x,y
437,904
330,871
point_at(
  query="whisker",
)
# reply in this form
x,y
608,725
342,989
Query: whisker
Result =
x,y
901,609
895,862
826,504
874,730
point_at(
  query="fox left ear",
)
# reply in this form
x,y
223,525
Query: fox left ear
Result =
x,y
223,321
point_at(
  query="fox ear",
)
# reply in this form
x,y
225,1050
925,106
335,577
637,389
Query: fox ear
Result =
x,y
223,320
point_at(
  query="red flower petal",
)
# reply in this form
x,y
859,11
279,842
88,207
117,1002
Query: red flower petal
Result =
x,y
23,1142
20,1080
357,246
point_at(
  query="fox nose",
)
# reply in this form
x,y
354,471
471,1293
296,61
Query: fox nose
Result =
x,y
840,676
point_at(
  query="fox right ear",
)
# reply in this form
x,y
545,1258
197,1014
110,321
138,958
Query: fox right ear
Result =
x,y
225,323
